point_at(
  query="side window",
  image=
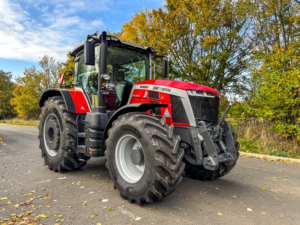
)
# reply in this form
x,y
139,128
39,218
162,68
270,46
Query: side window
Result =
x,y
87,77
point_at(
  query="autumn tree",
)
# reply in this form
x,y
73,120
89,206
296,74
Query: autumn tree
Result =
x,y
30,87
68,68
6,89
274,71
207,41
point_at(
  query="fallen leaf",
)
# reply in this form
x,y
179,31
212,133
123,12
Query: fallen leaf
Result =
x,y
274,177
263,213
98,224
93,215
207,203
105,207
249,210
84,203
220,214
43,216
234,196
110,209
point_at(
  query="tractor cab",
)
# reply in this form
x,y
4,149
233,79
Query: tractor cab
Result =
x,y
126,64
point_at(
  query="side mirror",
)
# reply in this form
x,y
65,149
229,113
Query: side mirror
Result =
x,y
89,53
165,69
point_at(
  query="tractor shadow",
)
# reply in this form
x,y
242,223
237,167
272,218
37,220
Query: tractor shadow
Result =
x,y
189,193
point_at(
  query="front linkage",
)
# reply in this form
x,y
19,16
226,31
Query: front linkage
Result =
x,y
210,147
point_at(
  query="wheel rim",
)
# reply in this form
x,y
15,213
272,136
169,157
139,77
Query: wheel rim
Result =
x,y
126,167
51,135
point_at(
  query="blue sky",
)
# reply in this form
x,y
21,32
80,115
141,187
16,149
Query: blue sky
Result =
x,y
30,29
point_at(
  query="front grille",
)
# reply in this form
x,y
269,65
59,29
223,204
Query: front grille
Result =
x,y
205,108
178,111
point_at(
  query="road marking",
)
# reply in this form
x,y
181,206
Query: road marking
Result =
x,y
43,181
130,214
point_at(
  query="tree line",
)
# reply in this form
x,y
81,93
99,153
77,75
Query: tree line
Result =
x,y
249,48
22,96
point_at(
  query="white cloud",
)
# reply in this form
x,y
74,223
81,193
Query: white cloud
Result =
x,y
52,28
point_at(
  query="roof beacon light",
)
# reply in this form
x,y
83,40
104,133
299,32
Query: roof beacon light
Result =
x,y
106,77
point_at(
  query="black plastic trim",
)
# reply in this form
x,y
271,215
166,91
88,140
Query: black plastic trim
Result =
x,y
59,92
153,94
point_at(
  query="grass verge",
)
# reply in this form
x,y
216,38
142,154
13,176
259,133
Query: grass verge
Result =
x,y
21,122
257,146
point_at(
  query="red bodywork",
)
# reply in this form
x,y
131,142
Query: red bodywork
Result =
x,y
80,101
164,98
82,106
179,85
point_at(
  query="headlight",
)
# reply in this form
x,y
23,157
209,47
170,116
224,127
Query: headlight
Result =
x,y
200,93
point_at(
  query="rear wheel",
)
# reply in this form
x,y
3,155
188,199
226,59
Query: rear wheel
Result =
x,y
143,157
58,136
199,172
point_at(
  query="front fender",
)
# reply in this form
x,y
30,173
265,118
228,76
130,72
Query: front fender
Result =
x,y
75,100
135,107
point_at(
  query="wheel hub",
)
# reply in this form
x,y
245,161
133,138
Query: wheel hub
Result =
x,y
137,156
51,134
129,156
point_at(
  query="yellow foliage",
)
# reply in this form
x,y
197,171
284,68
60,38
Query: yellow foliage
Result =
x,y
30,87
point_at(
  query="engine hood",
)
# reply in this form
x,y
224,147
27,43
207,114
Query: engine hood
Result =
x,y
179,85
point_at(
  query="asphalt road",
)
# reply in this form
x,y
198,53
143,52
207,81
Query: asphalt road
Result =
x,y
255,192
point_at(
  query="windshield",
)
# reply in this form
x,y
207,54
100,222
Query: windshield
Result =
x,y
124,66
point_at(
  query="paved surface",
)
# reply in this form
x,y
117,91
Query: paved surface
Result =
x,y
255,192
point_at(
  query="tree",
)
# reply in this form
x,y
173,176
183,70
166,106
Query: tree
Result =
x,y
30,87
68,68
6,89
207,41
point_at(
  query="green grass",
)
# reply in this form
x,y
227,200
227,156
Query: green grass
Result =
x,y
21,122
253,146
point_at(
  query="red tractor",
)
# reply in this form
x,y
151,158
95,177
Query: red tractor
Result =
x,y
150,131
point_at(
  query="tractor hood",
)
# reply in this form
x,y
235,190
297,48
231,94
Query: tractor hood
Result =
x,y
179,85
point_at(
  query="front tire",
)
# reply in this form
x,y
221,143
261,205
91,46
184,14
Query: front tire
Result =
x,y
156,170
58,136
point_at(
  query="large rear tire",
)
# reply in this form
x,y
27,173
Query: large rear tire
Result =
x,y
158,167
200,173
58,136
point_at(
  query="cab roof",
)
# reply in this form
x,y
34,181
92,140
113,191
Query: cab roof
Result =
x,y
115,40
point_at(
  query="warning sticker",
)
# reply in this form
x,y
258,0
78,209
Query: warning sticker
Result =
x,y
167,114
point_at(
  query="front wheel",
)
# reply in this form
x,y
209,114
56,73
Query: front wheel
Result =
x,y
143,157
